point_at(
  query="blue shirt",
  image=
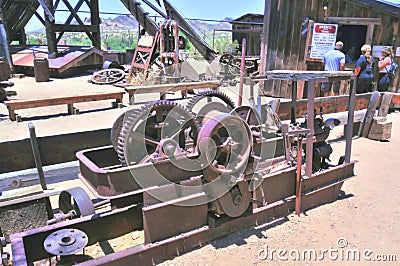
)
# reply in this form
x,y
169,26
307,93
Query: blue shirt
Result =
x,y
333,59
366,69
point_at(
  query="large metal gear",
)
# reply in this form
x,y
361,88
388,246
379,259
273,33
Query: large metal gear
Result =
x,y
209,103
158,129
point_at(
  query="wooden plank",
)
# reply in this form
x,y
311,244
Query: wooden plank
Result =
x,y
75,28
385,103
16,155
24,104
173,87
296,75
373,104
354,21
333,104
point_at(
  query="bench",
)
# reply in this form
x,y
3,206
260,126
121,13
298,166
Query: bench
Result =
x,y
165,88
68,100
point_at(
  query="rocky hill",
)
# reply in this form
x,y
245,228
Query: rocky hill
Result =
x,y
128,23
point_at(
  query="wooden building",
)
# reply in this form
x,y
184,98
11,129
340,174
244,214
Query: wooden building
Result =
x,y
249,26
359,22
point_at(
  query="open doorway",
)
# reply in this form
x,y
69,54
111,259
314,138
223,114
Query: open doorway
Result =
x,y
352,36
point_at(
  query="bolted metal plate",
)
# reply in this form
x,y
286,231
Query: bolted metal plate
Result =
x,y
65,242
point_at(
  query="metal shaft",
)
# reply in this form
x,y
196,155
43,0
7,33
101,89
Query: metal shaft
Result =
x,y
242,65
39,166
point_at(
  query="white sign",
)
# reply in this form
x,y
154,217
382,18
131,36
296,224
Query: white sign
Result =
x,y
323,40
397,51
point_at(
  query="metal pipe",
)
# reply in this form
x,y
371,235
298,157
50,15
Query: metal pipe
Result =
x,y
350,120
176,55
298,176
242,72
39,166
294,103
36,155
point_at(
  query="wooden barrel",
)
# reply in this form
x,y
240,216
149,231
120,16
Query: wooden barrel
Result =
x,y
41,69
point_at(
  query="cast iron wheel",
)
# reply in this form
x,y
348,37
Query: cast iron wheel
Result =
x,y
250,116
234,66
108,76
225,58
226,141
154,129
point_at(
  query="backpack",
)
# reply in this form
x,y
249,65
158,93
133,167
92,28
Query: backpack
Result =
x,y
393,69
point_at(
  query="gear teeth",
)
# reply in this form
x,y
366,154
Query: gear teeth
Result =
x,y
209,93
137,115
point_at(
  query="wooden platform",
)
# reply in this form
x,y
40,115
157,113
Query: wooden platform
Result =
x,y
162,89
69,101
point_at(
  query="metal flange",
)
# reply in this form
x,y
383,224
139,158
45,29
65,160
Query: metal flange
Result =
x,y
65,242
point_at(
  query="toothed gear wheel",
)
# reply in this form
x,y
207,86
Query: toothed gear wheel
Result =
x,y
148,128
201,108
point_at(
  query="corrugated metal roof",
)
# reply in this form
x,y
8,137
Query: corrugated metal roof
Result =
x,y
67,55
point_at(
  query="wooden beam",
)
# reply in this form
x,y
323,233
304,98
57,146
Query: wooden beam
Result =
x,y
370,34
264,42
95,21
85,28
51,36
69,19
73,28
355,21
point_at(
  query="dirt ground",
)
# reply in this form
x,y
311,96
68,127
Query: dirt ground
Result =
x,y
365,220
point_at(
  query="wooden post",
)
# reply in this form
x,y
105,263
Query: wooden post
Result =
x,y
95,21
264,42
373,104
50,34
310,126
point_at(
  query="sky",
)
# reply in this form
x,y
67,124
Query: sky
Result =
x,y
195,9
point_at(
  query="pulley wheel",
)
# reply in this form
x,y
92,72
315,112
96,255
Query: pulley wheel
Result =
x,y
65,242
226,141
76,199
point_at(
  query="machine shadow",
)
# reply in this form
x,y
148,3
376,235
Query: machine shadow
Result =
x,y
233,238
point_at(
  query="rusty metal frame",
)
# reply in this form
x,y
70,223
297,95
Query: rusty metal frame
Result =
x,y
277,195
322,188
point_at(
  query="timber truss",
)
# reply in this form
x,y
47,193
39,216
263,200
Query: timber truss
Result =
x,y
15,14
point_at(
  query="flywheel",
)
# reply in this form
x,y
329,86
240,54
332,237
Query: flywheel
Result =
x,y
226,142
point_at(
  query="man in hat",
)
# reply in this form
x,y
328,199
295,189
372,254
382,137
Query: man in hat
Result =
x,y
333,61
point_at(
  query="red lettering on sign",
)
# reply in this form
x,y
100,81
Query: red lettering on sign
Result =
x,y
325,29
